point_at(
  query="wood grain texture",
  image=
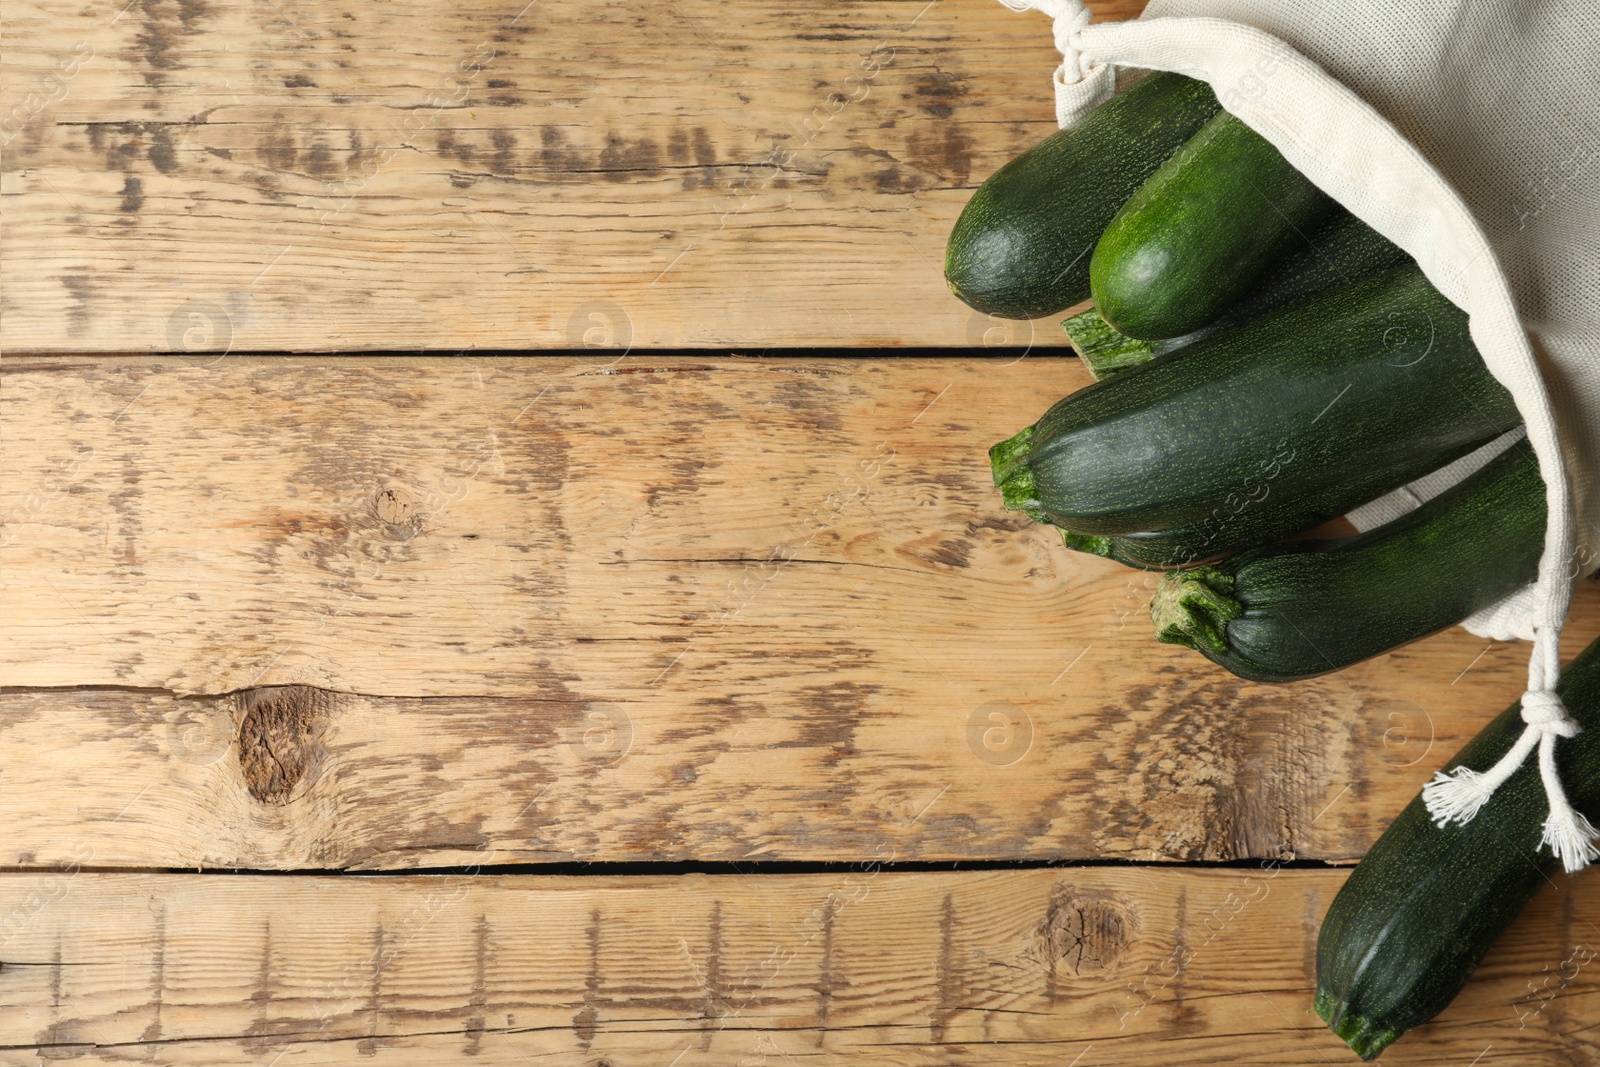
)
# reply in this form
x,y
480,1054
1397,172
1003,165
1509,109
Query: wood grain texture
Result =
x,y
409,613
206,176
517,527
1094,967
663,609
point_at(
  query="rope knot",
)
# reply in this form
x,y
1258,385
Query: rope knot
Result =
x,y
1081,82
1069,19
1543,710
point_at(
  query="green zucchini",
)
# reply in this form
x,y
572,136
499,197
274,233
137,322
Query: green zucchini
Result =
x,y
1183,547
1418,913
1021,247
1337,253
1317,408
1202,232
1292,611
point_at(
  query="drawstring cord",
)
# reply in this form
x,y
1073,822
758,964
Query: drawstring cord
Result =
x,y
1457,796
1082,84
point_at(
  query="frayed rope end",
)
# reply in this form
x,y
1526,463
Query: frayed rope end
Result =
x,y
1456,797
1571,837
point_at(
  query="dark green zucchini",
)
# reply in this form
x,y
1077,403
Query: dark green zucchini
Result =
x,y
1114,548
1202,232
1337,253
1418,913
1021,247
1292,611
1183,547
1316,408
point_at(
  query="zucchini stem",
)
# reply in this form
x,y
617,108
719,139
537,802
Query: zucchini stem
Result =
x,y
1102,348
1094,546
1193,609
1009,462
1008,455
1364,1039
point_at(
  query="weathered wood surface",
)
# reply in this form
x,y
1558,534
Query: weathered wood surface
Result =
x,y
549,610
549,529
618,608
182,175
1088,967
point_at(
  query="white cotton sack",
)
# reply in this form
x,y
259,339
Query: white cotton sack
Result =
x,y
1468,133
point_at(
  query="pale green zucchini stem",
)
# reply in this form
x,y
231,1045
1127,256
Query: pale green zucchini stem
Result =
x,y
1009,462
1094,546
1102,348
1193,609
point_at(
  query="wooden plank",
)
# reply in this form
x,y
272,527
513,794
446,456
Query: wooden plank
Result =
x,y
1094,967
664,612
314,176
519,527
303,778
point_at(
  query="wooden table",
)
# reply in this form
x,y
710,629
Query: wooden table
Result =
x,y
327,678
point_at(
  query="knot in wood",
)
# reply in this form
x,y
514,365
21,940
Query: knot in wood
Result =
x,y
1086,933
395,505
280,739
